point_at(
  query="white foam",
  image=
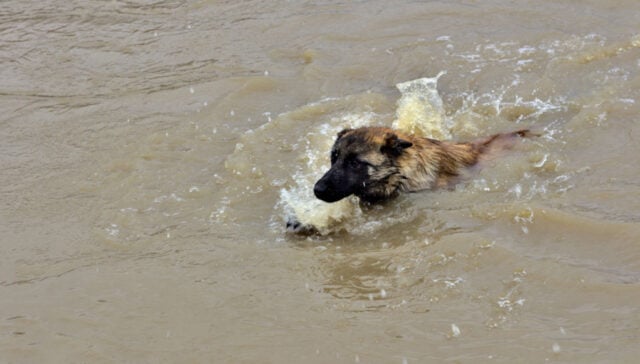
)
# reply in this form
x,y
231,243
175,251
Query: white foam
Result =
x,y
420,109
526,50
455,330
113,230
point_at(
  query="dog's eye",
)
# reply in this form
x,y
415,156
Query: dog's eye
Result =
x,y
357,163
334,156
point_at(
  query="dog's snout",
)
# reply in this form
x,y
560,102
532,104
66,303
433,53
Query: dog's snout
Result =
x,y
335,185
320,189
326,189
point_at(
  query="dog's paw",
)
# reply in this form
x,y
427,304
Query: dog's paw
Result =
x,y
296,227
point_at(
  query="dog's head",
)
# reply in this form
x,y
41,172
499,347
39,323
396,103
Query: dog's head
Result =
x,y
364,163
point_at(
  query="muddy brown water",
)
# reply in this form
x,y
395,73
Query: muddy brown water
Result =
x,y
152,151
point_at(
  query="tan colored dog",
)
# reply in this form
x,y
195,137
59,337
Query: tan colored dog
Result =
x,y
376,163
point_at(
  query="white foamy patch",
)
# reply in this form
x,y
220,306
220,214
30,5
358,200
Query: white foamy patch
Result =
x,y
420,109
524,62
455,330
312,212
449,283
113,230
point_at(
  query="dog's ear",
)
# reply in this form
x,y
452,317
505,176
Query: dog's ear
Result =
x,y
394,145
342,133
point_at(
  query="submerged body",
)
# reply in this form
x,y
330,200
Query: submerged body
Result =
x,y
377,163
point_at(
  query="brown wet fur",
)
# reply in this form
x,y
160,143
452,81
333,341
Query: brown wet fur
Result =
x,y
377,163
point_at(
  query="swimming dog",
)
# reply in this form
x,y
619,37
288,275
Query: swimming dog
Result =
x,y
377,163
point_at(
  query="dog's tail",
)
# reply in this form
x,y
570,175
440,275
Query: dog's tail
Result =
x,y
502,141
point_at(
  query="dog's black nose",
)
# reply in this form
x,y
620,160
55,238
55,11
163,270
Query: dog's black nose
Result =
x,y
326,191
320,189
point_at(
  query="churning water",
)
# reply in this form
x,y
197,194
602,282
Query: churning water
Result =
x,y
152,153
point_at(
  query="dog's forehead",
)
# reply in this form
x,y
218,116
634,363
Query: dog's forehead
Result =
x,y
358,142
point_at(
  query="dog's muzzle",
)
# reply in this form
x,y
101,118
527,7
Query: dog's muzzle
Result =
x,y
326,190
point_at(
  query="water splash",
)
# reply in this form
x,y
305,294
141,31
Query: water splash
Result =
x,y
302,138
419,111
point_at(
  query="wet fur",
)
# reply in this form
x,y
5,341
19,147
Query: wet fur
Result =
x,y
377,163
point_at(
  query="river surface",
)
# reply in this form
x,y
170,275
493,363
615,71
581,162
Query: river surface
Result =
x,y
151,153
